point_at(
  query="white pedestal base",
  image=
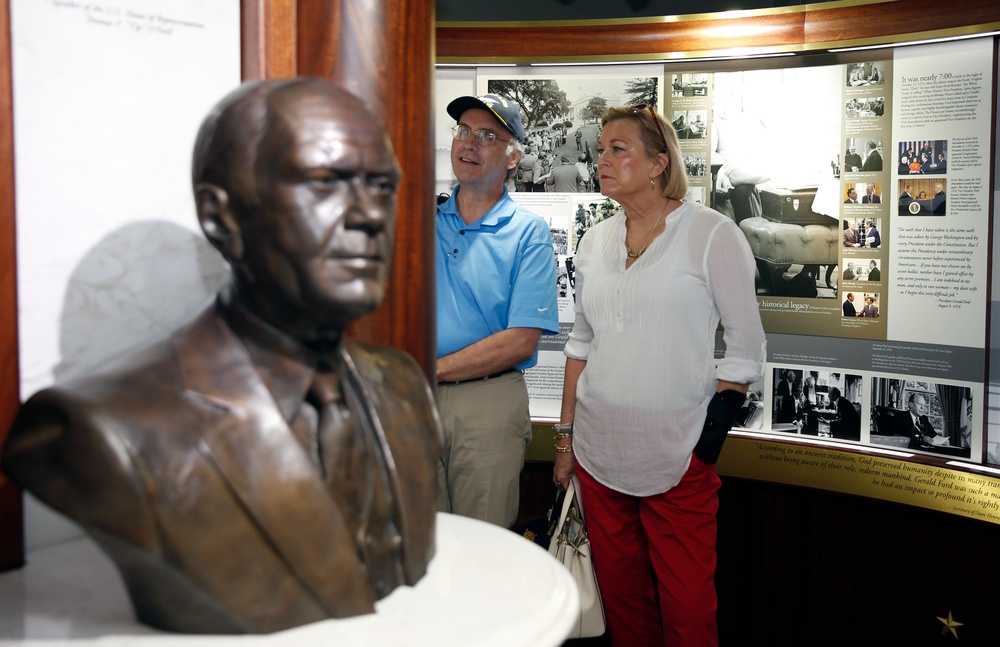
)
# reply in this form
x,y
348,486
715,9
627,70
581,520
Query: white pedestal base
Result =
x,y
486,587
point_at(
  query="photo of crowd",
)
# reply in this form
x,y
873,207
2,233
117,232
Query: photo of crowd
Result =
x,y
696,164
561,117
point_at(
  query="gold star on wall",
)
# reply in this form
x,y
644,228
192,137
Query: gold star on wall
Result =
x,y
950,625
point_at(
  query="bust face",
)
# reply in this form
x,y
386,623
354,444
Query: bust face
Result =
x,y
319,239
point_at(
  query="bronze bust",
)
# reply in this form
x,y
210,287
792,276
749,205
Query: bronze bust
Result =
x,y
256,470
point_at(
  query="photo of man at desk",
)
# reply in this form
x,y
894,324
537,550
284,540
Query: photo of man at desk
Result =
x,y
922,416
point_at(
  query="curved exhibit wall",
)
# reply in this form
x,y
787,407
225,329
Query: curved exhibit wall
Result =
x,y
861,180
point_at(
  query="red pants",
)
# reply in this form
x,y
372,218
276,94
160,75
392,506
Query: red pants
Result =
x,y
655,559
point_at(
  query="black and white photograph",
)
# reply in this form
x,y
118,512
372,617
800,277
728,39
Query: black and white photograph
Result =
x,y
861,269
588,213
924,157
777,136
753,411
867,156
864,107
923,197
562,122
690,124
817,403
689,85
923,416
696,164
868,73
695,194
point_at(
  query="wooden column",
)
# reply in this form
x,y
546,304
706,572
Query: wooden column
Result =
x,y
382,50
267,33
11,517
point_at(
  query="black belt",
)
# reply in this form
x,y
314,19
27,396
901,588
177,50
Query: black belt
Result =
x,y
483,379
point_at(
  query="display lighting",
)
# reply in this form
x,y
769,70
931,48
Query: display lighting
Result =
x,y
970,466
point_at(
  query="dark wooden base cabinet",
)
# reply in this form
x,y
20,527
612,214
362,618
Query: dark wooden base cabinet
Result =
x,y
805,567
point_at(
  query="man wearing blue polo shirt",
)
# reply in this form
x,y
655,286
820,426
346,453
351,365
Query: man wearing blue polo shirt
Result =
x,y
496,295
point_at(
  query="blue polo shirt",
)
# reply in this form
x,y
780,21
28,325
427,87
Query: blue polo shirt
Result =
x,y
497,273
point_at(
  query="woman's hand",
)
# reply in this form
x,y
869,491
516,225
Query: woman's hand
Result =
x,y
564,469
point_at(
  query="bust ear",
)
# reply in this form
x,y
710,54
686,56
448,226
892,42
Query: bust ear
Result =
x,y
218,221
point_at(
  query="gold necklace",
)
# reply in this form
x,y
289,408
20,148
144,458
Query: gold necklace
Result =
x,y
634,255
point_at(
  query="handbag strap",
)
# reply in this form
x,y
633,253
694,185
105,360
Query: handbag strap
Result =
x,y
571,497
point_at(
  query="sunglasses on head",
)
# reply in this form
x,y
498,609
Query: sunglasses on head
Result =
x,y
642,107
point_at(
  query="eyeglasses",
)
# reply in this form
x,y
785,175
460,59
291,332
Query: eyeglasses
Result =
x,y
642,107
485,137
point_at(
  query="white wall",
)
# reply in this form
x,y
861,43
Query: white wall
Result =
x,y
108,96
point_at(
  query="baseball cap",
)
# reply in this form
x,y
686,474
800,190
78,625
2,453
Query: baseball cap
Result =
x,y
507,112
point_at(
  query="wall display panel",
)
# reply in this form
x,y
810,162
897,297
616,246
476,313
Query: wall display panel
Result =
x,y
109,249
874,317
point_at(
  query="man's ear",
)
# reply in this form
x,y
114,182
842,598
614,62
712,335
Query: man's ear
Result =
x,y
515,158
218,221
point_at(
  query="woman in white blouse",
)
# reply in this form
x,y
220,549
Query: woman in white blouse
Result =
x,y
645,404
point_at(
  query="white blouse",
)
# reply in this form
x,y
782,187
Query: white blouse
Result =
x,y
648,335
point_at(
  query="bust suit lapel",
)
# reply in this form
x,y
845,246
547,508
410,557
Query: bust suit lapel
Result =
x,y
397,403
268,471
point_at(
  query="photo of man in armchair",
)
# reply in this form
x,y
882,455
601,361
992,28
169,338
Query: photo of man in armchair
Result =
x,y
794,231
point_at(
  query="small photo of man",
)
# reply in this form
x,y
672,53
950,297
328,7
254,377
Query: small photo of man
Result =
x,y
849,309
870,308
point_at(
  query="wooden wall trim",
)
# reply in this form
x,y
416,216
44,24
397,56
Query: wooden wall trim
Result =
x,y
812,27
382,50
268,38
11,517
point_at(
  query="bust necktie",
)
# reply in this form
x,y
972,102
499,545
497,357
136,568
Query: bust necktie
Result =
x,y
353,464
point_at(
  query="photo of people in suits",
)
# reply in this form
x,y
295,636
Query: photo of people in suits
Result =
x,y
851,235
817,403
869,149
870,308
869,228
864,107
922,157
868,73
849,309
922,416
923,196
